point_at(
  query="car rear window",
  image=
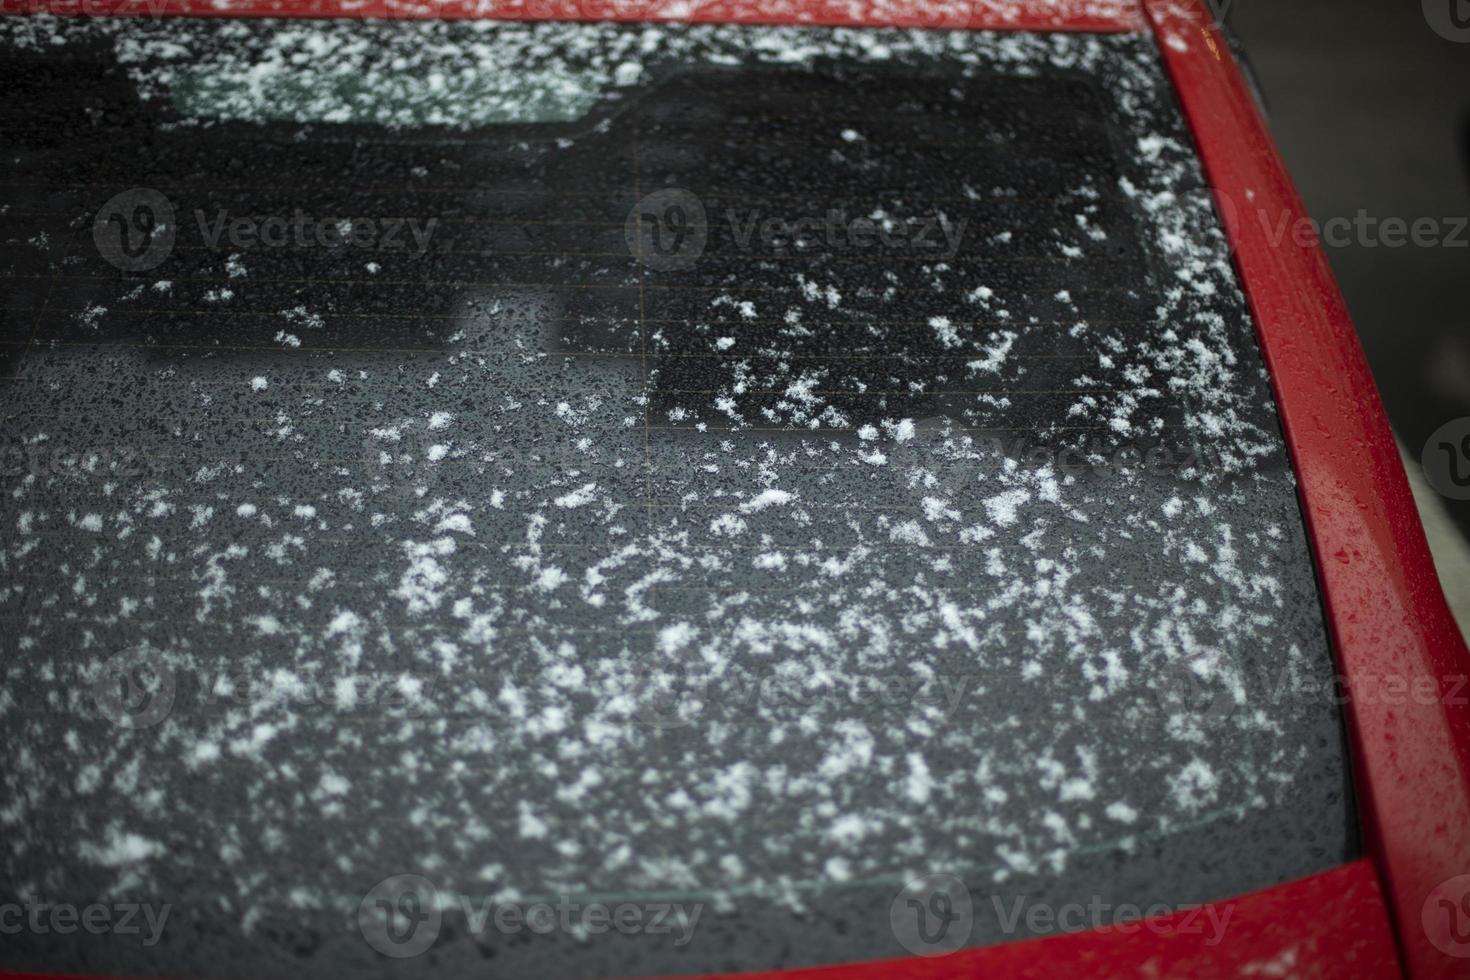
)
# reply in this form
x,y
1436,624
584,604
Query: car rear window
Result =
x,y
749,472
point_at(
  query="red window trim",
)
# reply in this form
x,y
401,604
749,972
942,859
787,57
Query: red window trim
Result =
x,y
1385,609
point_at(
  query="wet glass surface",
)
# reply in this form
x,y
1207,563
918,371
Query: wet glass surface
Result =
x,y
772,467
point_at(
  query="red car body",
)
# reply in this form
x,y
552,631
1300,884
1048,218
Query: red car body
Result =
x,y
1403,908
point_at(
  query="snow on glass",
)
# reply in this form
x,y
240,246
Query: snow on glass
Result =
x,y
568,621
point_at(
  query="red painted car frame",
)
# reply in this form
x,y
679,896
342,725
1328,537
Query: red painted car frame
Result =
x,y
1385,609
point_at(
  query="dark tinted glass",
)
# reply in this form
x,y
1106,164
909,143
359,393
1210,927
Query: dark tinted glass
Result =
x,y
722,475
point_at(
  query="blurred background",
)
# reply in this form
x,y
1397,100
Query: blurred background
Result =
x,y
1371,108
